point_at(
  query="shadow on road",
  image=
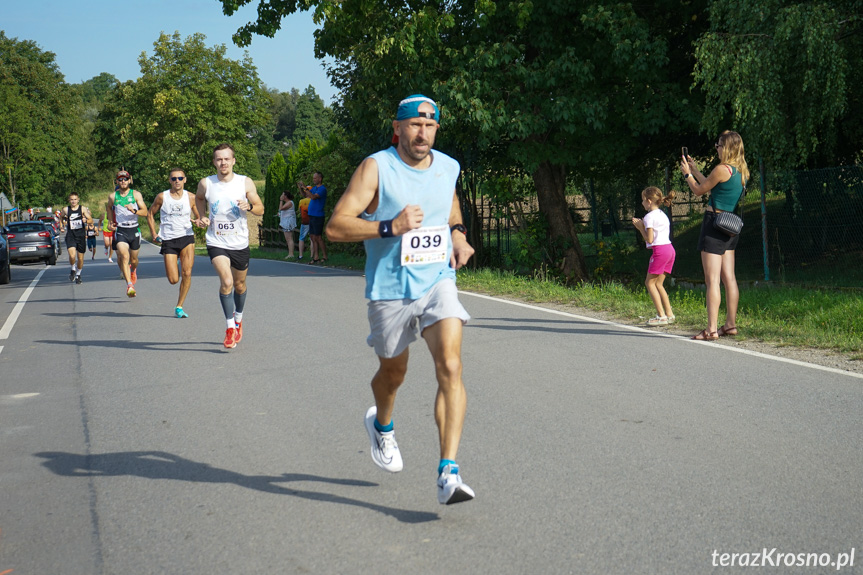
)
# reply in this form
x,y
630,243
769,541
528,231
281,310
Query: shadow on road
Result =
x,y
133,344
523,324
111,314
161,465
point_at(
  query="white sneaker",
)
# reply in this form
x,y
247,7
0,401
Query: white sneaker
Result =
x,y
658,320
384,449
110,260
451,489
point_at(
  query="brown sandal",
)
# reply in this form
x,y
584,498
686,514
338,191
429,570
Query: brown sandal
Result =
x,y
706,336
723,331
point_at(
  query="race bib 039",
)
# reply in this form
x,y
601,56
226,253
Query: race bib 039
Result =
x,y
424,246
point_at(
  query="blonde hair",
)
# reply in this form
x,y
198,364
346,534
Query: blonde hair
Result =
x,y
732,145
654,194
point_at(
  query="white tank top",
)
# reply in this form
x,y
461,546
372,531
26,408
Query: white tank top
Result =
x,y
176,216
228,228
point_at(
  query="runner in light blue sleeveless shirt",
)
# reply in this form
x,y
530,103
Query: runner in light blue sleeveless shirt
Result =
x,y
398,186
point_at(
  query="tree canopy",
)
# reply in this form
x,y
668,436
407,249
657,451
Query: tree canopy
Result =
x,y
788,75
41,136
188,99
553,89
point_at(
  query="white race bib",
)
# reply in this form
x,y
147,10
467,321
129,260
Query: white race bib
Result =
x,y
75,224
424,246
225,227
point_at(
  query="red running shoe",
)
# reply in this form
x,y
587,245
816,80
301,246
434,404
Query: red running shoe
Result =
x,y
134,276
239,332
231,338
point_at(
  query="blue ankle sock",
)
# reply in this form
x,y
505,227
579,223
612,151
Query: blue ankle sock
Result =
x,y
383,428
444,462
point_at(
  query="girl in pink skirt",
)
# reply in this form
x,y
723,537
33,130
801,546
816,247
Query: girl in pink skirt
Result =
x,y
655,229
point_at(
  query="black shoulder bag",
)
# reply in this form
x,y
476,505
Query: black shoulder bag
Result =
x,y
729,222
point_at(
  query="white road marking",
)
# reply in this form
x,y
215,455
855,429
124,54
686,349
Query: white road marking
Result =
x,y
660,334
22,395
16,311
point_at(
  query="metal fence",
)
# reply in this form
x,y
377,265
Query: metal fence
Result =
x,y
797,224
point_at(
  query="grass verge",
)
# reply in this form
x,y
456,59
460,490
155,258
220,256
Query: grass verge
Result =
x,y
822,319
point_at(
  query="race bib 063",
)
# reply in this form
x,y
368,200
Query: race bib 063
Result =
x,y
424,246
223,227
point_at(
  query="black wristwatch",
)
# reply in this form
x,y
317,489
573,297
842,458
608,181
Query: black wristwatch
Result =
x,y
458,228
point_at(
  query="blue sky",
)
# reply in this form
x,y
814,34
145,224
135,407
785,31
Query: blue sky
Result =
x,y
89,37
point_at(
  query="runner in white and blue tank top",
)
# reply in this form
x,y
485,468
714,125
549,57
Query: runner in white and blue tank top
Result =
x,y
176,208
226,198
401,202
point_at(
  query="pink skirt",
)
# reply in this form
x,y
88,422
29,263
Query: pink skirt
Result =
x,y
662,260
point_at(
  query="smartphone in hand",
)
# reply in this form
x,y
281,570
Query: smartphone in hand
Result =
x,y
684,151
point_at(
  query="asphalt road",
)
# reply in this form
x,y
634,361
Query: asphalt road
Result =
x,y
133,442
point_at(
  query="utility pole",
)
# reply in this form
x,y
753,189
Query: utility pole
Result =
x,y
11,189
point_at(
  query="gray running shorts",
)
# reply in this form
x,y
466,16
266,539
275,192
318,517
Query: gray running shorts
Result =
x,y
395,323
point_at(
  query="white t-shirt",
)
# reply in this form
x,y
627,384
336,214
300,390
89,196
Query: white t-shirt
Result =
x,y
657,220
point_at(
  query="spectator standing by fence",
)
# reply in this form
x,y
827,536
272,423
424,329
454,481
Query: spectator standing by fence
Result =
x,y
725,184
318,194
288,221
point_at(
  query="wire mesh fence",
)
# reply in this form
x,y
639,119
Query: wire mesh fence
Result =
x,y
799,226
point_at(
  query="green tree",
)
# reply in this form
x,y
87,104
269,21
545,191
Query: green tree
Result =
x,y
284,111
41,135
558,89
275,185
94,92
188,99
787,75
294,117
313,120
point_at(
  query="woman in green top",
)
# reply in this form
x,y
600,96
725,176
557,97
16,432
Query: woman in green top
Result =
x,y
725,185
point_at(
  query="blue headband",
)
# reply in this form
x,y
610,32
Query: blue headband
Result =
x,y
409,108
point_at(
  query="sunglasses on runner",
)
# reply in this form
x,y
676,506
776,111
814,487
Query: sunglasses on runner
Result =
x,y
122,179
178,178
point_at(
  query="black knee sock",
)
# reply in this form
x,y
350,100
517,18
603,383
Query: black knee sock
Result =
x,y
227,306
239,301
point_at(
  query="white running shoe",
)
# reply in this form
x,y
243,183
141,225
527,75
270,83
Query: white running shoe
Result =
x,y
384,449
451,489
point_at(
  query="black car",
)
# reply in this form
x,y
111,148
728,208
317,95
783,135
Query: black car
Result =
x,y
5,264
31,241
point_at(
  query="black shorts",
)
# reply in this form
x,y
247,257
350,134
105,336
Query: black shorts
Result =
x,y
239,258
316,225
129,236
176,245
714,241
76,242
91,242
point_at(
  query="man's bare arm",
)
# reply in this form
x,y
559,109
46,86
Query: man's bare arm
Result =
x,y
151,221
461,249
201,203
256,206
